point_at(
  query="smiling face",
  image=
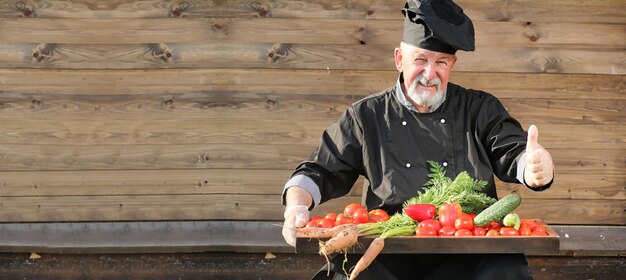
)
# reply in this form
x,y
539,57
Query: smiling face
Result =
x,y
425,74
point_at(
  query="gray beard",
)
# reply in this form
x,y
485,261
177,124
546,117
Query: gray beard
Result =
x,y
422,97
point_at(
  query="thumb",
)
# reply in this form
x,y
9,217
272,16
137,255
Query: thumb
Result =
x,y
533,135
301,219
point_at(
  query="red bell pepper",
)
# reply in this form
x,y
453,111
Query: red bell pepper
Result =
x,y
448,213
420,212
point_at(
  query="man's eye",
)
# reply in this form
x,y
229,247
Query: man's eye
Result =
x,y
420,60
442,63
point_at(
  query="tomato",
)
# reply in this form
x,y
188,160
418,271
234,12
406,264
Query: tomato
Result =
x,y
494,225
539,231
524,230
342,219
325,223
508,231
351,208
530,224
312,223
361,216
479,231
430,223
464,222
447,231
378,215
448,213
331,216
463,232
492,232
314,218
425,231
420,212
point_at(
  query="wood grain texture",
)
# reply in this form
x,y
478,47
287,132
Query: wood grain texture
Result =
x,y
604,11
165,85
236,182
243,156
307,56
256,207
295,31
304,128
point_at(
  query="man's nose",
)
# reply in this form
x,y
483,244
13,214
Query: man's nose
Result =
x,y
429,71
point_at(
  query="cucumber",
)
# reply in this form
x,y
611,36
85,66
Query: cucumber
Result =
x,y
498,210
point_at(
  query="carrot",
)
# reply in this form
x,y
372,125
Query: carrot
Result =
x,y
368,257
339,242
314,232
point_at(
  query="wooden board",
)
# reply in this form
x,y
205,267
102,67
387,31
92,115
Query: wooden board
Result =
x,y
605,11
453,245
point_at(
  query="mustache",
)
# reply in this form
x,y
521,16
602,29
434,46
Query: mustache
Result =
x,y
426,82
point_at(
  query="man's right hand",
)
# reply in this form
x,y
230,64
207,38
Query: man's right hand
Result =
x,y
296,216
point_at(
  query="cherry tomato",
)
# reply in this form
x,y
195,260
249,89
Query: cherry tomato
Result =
x,y
447,231
464,222
331,216
325,223
351,208
342,219
361,216
312,223
478,231
378,215
508,231
463,232
430,223
314,218
425,231
492,232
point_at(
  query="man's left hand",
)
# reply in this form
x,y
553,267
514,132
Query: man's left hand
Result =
x,y
539,167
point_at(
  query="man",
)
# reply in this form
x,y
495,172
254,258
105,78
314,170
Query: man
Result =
x,y
388,137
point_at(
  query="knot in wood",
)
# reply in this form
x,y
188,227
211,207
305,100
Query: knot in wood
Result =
x,y
161,52
178,8
262,10
278,52
25,8
203,157
43,52
369,12
168,102
35,103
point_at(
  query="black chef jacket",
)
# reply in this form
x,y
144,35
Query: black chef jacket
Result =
x,y
381,139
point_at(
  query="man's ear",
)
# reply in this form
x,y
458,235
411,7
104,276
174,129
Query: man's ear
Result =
x,y
398,59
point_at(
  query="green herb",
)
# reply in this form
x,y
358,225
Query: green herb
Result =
x,y
463,189
398,224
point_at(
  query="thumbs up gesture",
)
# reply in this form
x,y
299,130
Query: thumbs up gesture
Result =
x,y
539,167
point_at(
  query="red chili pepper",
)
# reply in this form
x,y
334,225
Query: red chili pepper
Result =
x,y
448,213
420,212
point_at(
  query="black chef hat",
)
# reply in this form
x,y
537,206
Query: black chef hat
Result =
x,y
437,25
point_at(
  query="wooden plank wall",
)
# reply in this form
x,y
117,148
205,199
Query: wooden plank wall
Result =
x,y
199,109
